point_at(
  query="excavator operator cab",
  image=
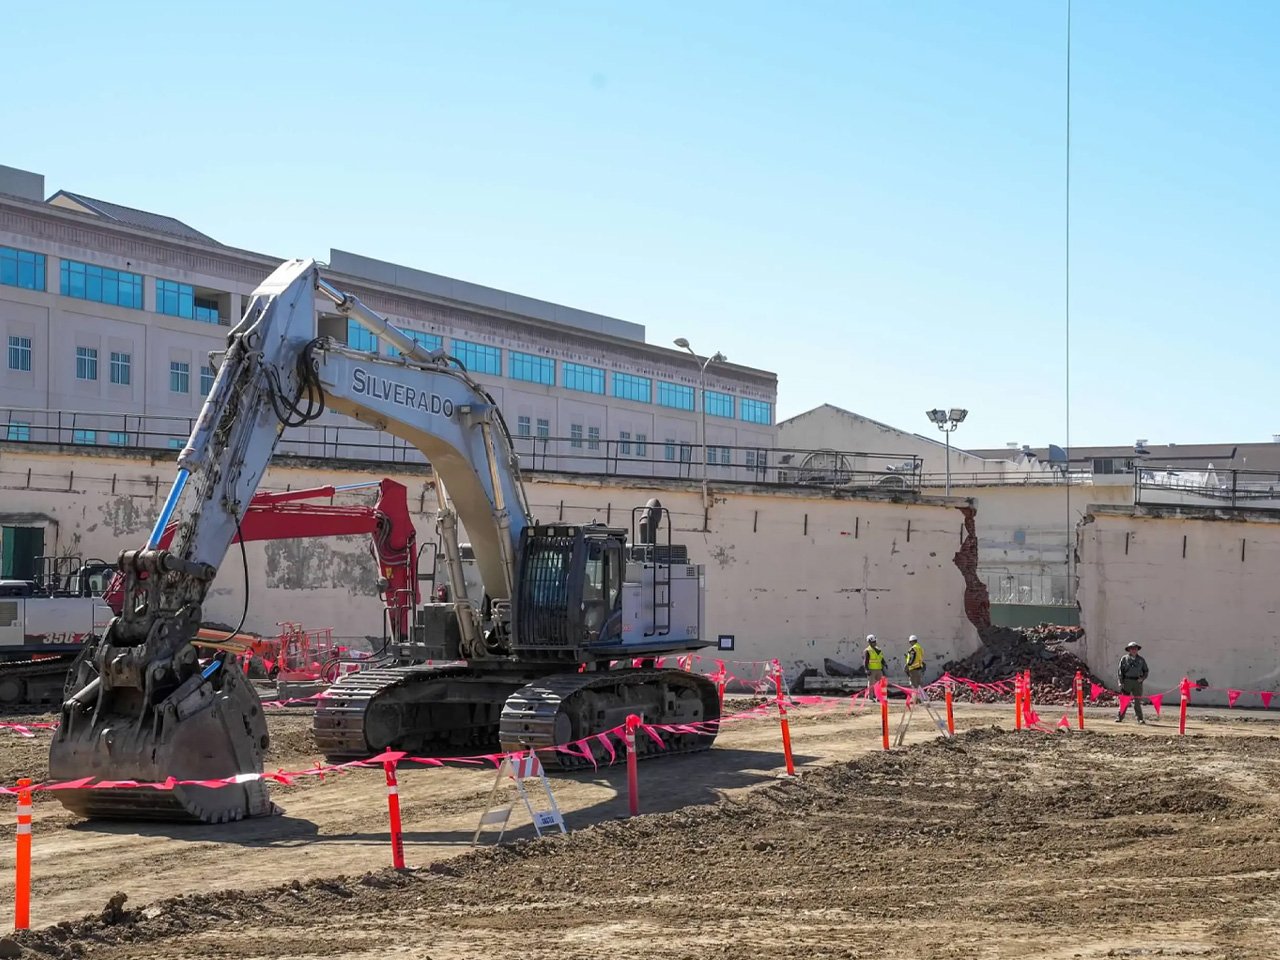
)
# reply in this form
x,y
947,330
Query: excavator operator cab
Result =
x,y
601,584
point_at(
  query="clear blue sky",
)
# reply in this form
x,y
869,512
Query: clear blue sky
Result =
x,y
864,196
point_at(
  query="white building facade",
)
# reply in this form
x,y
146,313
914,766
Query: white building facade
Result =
x,y
108,315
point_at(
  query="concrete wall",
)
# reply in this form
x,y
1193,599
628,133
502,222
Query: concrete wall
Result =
x,y
800,576
1196,588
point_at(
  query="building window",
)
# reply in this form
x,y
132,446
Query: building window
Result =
x,y
478,357
206,380
179,377
427,341
177,443
726,456
544,429
755,411
757,458
85,281
20,353
525,366
358,338
686,453
642,445
629,387
18,430
117,438
21,268
121,368
174,299
669,449
86,363
675,395
575,436
524,427
717,404
578,376
206,310
593,438
624,442
84,436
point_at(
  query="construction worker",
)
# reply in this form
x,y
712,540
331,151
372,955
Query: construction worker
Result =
x,y
1132,672
915,664
873,661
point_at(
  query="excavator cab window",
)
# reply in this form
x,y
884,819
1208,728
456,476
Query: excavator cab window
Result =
x,y
602,583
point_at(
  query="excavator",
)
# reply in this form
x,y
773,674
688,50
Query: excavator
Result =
x,y
567,640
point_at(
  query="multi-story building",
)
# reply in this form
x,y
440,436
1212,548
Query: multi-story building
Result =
x,y
108,315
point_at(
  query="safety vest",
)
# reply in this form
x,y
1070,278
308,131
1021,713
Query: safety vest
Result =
x,y
875,659
915,657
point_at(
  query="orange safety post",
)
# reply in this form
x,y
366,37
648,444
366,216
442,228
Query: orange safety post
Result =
x,y
393,807
951,718
722,680
883,694
633,787
1017,701
22,879
1185,689
782,719
1079,700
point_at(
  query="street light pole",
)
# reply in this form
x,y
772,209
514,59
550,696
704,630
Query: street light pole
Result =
x,y
947,421
702,387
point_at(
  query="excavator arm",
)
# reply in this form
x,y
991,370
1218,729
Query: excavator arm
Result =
x,y
152,711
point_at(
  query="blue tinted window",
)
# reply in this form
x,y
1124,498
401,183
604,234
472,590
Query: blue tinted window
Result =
x,y
717,404
478,357
525,366
427,341
118,439
205,309
675,395
755,411
358,338
626,386
175,299
18,430
206,380
84,436
21,268
86,281
179,377
578,376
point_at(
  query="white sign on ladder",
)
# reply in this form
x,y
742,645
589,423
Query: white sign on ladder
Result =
x,y
519,767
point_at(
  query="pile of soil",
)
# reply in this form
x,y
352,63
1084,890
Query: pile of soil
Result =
x,y
1042,650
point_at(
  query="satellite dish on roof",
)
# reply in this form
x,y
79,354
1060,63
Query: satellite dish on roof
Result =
x,y
1057,454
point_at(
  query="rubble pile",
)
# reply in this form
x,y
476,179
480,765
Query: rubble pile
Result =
x,y
1044,650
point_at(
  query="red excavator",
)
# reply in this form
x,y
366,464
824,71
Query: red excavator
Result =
x,y
285,516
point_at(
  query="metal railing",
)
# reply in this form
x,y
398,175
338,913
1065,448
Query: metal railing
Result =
x,y
1256,489
1041,589
1007,478
575,454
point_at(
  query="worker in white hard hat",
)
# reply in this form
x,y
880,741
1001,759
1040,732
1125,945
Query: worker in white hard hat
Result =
x,y
873,661
915,665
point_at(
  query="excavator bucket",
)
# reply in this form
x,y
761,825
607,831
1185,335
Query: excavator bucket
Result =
x,y
210,728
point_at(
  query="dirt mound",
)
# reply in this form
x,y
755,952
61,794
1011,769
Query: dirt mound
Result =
x,y
1005,841
1042,650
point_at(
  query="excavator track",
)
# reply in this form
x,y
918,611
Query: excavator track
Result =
x,y
34,681
413,708
565,708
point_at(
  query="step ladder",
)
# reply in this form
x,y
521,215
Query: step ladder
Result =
x,y
519,767
914,699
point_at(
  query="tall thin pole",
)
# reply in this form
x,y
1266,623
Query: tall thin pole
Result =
x,y
947,434
702,383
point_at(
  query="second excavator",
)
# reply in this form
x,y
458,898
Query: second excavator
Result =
x,y
565,642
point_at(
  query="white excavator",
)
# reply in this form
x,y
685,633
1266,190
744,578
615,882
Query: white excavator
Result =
x,y
564,644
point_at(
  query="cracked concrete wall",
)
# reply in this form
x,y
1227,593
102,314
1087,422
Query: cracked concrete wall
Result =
x,y
1197,590
800,576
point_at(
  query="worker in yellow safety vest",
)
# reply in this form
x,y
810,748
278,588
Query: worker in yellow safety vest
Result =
x,y
873,661
915,664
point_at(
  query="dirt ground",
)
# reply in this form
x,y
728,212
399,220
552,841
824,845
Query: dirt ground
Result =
x,y
1122,841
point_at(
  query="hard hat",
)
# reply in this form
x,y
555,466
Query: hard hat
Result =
x,y
871,638
1133,645
913,639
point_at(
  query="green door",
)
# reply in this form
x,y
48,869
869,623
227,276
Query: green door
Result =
x,y
19,547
